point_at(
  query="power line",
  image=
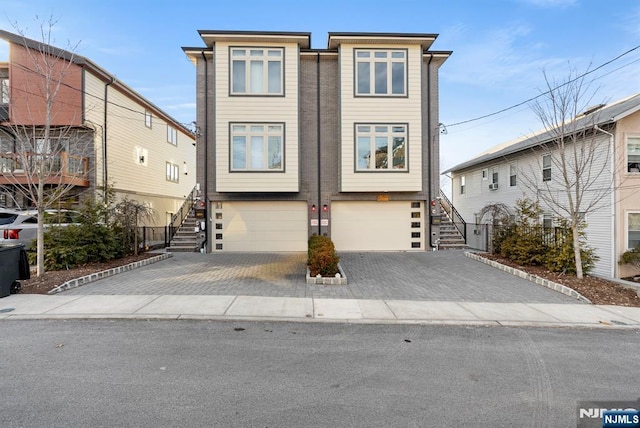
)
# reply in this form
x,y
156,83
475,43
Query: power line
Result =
x,y
545,93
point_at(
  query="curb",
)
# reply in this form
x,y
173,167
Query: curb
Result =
x,y
530,277
77,282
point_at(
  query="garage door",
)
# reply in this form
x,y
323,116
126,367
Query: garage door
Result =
x,y
260,226
377,226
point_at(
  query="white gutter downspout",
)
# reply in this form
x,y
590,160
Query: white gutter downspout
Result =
x,y
613,200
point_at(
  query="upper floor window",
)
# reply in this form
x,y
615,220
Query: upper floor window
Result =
x,y
257,146
633,155
147,119
172,135
256,71
513,175
546,168
381,147
4,91
463,184
381,72
173,172
547,220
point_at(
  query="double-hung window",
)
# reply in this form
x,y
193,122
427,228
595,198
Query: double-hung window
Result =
x,y
633,155
463,184
147,119
381,147
173,172
257,147
633,230
513,175
546,168
257,71
381,72
172,135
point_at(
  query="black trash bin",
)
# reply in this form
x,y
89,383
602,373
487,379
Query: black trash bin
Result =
x,y
10,267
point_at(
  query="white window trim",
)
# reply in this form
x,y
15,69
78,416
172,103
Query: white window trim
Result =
x,y
390,134
548,167
463,184
148,119
626,154
515,174
247,58
389,60
172,172
494,176
485,174
626,228
172,135
4,90
265,134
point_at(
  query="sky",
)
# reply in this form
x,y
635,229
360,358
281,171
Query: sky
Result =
x,y
500,48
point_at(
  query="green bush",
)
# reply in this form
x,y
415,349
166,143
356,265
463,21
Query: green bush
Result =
x,y
631,257
560,256
322,257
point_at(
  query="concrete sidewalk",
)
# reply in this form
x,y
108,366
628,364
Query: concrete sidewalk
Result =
x,y
252,308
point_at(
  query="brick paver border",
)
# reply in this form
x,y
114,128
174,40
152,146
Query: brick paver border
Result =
x,y
107,273
530,277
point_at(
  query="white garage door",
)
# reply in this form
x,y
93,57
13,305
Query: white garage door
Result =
x,y
377,226
260,226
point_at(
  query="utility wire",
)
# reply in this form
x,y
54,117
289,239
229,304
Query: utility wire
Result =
x,y
544,93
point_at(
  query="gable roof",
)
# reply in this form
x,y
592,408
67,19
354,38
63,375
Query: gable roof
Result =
x,y
93,68
597,115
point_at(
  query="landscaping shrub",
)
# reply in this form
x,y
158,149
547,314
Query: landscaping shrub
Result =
x,y
528,243
560,257
631,257
322,257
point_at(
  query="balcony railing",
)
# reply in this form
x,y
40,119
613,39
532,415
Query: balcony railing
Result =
x,y
55,169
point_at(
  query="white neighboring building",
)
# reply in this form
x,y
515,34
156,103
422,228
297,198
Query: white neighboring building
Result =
x,y
513,170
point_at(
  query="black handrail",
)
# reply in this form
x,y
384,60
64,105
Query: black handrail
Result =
x,y
183,212
454,215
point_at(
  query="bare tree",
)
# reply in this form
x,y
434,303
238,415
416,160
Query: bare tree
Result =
x,y
575,155
50,155
130,214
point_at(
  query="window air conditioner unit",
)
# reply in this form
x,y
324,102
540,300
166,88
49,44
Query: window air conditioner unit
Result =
x,y
493,186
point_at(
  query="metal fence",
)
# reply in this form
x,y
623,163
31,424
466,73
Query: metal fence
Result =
x,y
152,238
480,236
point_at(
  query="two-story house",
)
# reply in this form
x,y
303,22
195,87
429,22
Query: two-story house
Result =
x,y
521,168
128,143
295,141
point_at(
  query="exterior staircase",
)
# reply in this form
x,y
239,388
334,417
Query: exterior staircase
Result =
x,y
450,236
451,232
185,240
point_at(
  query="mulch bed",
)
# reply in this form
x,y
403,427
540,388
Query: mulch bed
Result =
x,y
598,290
52,279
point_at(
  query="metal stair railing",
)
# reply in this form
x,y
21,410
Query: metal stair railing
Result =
x,y
454,215
178,218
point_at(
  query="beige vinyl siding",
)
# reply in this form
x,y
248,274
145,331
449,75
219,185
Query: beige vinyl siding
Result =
x,y
127,139
259,109
382,110
627,198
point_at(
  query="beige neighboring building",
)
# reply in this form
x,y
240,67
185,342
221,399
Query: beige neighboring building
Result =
x,y
138,149
497,175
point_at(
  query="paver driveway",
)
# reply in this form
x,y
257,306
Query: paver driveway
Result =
x,y
434,276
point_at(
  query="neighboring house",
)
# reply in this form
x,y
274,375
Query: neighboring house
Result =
x,y
295,141
505,173
135,147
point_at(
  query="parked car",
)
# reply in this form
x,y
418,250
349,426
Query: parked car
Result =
x,y
20,227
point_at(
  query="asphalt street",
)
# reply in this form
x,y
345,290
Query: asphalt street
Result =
x,y
255,374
